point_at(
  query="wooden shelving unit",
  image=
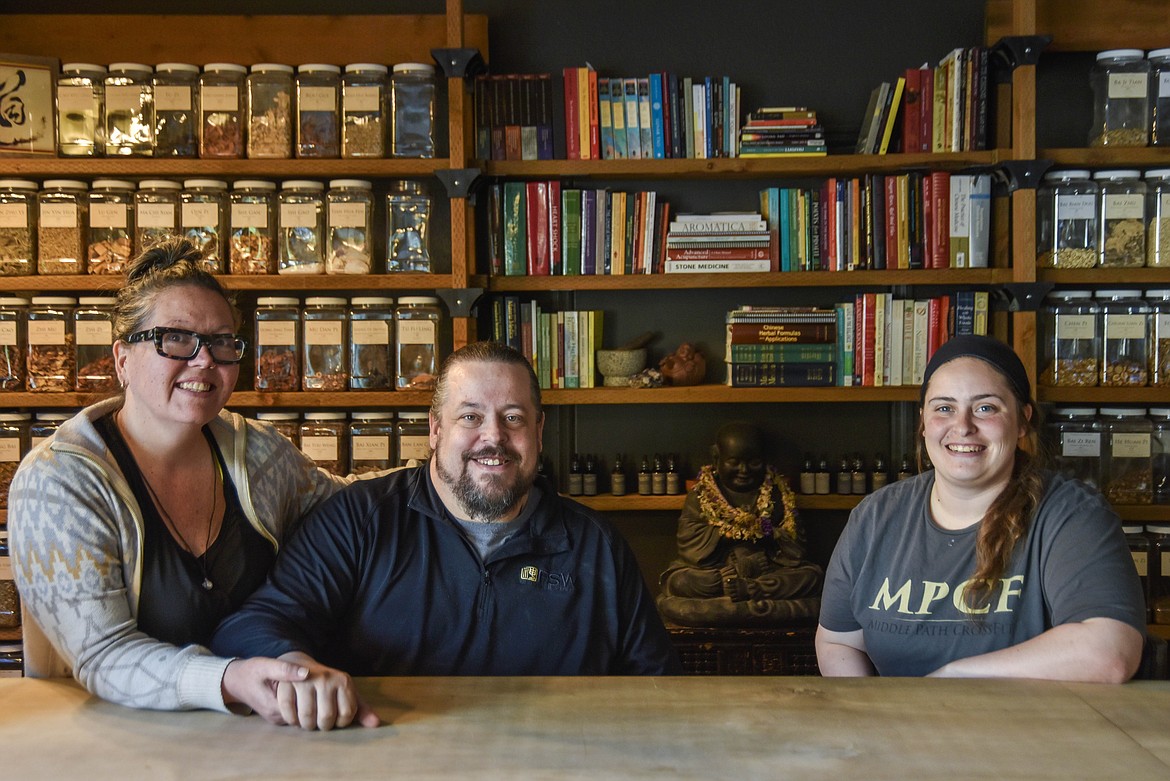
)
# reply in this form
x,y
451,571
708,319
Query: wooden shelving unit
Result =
x,y
637,503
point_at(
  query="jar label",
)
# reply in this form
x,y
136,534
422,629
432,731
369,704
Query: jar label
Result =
x,y
1162,326
8,333
416,332
1125,326
1128,85
1123,207
1163,205
34,441
46,332
370,332
172,98
14,215
123,98
361,100
1141,561
1075,207
249,215
317,99
156,215
1165,562
1125,445
75,100
347,215
95,332
323,332
5,568
1076,327
414,447
276,332
367,448
58,215
1080,445
108,215
220,98
1163,84
200,214
298,215
320,448
9,450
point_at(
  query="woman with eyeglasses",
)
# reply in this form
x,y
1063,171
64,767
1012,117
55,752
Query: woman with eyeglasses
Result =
x,y
149,517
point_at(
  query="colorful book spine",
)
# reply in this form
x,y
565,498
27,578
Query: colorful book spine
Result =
x,y
515,229
768,375
605,120
781,353
657,117
571,231
617,96
633,128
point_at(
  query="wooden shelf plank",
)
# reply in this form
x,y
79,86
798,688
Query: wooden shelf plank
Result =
x,y
1100,156
636,503
717,394
1104,276
242,399
851,279
10,635
1102,396
189,168
1088,25
1146,513
274,282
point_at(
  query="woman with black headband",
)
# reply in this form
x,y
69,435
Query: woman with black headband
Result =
x,y
986,565
147,518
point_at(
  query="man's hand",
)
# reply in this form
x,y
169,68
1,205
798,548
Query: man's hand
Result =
x,y
253,683
322,699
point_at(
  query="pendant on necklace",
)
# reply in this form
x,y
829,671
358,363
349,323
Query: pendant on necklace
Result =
x,y
207,584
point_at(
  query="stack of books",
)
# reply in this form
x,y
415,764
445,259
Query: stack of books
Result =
x,y
782,131
732,241
774,346
560,345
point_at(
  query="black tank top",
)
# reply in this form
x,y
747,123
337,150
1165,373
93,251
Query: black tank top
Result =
x,y
172,604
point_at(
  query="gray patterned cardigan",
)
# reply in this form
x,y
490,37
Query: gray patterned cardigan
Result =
x,y
76,535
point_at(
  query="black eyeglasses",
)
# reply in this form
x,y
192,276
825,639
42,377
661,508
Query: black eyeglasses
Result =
x,y
179,344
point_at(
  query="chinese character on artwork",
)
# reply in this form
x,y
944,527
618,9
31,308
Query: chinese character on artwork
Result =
x,y
26,105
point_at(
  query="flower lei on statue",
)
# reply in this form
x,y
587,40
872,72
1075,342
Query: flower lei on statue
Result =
x,y
753,523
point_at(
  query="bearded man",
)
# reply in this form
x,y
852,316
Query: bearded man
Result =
x,y
470,564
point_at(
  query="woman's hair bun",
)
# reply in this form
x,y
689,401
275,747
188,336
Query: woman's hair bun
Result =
x,y
163,256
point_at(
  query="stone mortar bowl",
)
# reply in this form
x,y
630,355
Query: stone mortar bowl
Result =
x,y
618,366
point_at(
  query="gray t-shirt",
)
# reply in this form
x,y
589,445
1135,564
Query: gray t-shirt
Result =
x,y
899,577
487,538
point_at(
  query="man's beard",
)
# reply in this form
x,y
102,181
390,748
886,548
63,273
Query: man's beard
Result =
x,y
484,502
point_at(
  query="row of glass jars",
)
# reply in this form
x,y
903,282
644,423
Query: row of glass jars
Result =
x,y
366,441
57,344
1131,98
1117,338
1150,548
1111,219
66,227
1124,452
230,111
329,344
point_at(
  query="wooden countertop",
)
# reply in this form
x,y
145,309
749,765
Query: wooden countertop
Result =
x,y
700,727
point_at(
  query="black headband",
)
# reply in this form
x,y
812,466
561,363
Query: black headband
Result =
x,y
985,348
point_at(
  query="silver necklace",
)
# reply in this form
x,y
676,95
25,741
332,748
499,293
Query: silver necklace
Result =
x,y
200,559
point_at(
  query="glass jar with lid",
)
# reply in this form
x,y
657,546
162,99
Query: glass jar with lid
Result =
x,y
1159,97
9,601
1158,218
1070,330
13,342
12,658
1076,443
318,85
93,329
270,110
349,220
18,201
252,249
1121,236
416,328
371,441
363,110
1125,338
203,215
1159,301
1126,463
176,93
111,226
50,366
408,217
371,343
287,424
278,340
324,358
1159,535
412,432
45,425
412,109
1119,80
129,109
221,110
13,446
1160,453
325,439
61,215
302,227
1139,551
81,110
156,212
1066,211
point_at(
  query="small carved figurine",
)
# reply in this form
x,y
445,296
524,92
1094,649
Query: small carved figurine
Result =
x,y
685,366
